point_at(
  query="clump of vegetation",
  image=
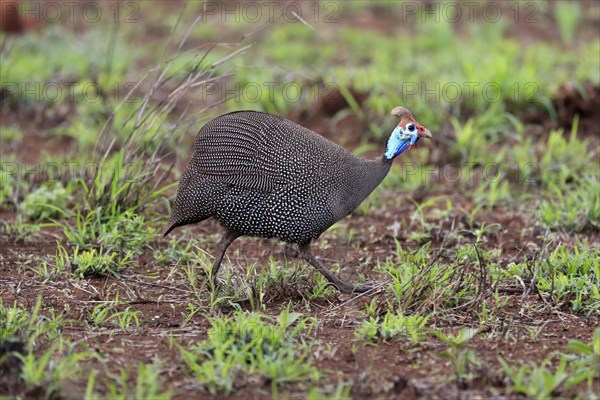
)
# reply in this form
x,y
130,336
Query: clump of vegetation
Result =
x,y
564,159
8,188
147,383
101,227
104,244
462,358
394,324
126,233
48,201
571,279
108,314
541,381
43,369
572,208
420,284
98,263
567,278
252,344
12,321
52,368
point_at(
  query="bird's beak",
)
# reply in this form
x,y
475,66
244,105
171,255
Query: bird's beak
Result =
x,y
426,134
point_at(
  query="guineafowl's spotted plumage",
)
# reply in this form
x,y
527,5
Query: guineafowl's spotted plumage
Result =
x,y
262,175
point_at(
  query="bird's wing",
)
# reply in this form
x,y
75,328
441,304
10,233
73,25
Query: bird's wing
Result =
x,y
242,149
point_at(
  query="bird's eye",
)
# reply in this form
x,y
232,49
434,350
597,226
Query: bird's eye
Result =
x,y
411,128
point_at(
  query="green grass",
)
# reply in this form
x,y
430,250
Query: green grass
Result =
x,y
568,16
51,70
420,282
107,314
148,383
46,202
393,324
511,77
252,344
568,278
461,357
51,368
545,380
572,208
13,320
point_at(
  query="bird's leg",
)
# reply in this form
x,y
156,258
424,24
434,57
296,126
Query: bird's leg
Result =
x,y
342,286
226,240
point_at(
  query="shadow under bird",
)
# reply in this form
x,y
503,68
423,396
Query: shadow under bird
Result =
x,y
262,175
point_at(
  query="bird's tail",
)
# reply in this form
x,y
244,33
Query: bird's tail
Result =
x,y
170,226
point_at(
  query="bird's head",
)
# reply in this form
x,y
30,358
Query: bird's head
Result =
x,y
405,135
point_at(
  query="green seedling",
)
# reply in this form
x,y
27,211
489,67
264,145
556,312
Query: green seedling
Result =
x,y
461,358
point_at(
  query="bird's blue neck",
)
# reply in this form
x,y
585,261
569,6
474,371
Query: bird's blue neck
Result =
x,y
396,144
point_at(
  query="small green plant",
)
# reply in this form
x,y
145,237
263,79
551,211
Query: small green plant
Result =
x,y
252,344
321,287
126,318
180,250
98,263
107,314
122,232
394,324
542,381
461,358
419,284
52,269
52,367
13,320
586,362
193,310
368,330
100,314
148,384
535,381
127,233
48,201
573,208
568,18
564,158
105,243
571,278
20,325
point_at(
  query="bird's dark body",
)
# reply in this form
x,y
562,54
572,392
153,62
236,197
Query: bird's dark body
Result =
x,y
262,175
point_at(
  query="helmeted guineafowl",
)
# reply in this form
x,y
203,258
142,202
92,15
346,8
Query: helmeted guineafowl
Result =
x,y
262,175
